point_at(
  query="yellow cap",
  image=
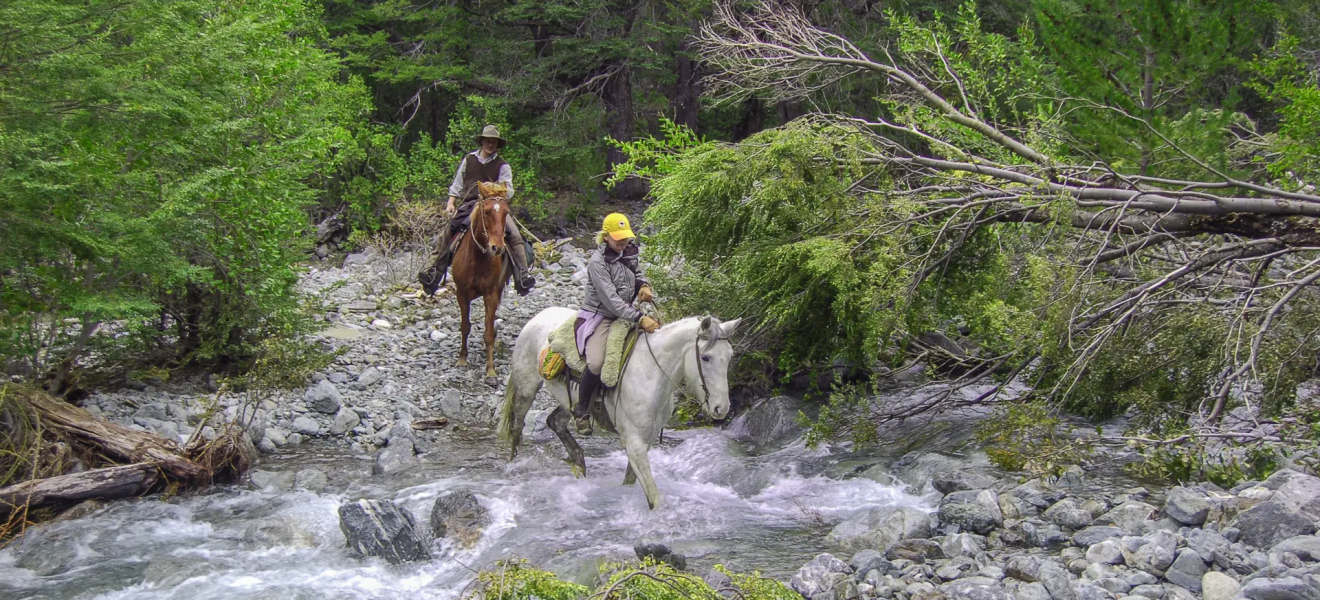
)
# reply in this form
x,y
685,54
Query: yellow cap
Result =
x,y
616,225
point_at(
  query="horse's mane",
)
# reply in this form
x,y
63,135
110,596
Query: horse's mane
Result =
x,y
488,190
713,335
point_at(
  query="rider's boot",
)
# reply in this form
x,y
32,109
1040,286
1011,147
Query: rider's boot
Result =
x,y
434,275
522,281
582,411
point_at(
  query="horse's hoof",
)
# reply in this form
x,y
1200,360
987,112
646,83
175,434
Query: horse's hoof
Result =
x,y
578,472
462,362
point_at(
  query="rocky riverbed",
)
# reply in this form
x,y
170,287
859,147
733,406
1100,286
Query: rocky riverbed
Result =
x,y
386,456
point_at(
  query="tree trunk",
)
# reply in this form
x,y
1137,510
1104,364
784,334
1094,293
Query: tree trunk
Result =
x,y
753,119
621,125
686,90
108,483
788,111
114,441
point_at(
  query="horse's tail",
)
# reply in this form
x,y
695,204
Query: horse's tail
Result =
x,y
505,427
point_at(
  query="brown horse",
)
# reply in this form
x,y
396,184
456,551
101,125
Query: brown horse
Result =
x,y
479,266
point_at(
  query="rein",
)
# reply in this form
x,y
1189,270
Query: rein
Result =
x,y
701,373
472,227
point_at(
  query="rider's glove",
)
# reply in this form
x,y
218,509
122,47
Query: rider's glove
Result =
x,y
645,294
648,324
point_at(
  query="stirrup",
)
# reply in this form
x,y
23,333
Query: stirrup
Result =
x,y
583,425
431,278
525,285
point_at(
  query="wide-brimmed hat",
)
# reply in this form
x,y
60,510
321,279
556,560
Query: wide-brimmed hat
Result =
x,y
492,132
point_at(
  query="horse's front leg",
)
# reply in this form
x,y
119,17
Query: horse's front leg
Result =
x,y
640,465
464,307
492,305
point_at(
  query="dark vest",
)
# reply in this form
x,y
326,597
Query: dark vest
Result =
x,y
474,172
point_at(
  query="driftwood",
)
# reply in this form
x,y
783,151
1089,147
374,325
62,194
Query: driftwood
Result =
x,y
116,442
111,482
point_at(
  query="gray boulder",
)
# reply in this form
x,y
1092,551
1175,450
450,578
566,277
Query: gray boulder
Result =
x,y
1032,591
1133,517
1107,552
345,420
369,377
381,528
323,398
972,510
820,574
1206,543
660,553
769,423
1187,570
395,458
1023,568
1297,491
306,425
1187,506
1095,534
279,481
877,528
1282,588
915,550
1153,553
458,515
1269,523
956,481
1218,586
975,589
865,561
1306,547
1057,581
1067,514
962,544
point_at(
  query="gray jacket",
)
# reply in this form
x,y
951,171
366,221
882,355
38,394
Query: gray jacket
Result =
x,y
613,282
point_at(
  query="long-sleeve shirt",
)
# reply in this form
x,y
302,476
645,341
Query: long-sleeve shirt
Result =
x,y
612,283
459,185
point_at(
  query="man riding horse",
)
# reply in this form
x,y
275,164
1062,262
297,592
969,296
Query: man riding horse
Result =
x,y
482,165
614,282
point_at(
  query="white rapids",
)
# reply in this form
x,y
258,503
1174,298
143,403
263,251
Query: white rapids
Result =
x,y
769,513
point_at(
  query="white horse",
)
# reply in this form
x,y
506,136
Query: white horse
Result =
x,y
692,353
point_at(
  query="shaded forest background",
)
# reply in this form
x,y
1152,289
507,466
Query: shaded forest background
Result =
x,y
164,164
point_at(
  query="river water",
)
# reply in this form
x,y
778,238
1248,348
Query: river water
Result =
x,y
768,511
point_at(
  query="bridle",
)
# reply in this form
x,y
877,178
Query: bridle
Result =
x,y
472,227
701,372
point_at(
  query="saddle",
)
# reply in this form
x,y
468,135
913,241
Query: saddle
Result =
x,y
618,349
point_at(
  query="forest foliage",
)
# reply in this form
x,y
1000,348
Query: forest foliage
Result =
x,y
990,189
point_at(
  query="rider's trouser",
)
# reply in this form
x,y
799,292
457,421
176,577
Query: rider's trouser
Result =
x,y
512,238
596,345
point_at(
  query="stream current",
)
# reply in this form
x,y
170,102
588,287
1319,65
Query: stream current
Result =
x,y
768,511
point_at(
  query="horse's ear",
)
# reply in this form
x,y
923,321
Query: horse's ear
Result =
x,y
727,328
705,327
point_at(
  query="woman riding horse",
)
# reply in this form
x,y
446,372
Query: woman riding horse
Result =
x,y
613,284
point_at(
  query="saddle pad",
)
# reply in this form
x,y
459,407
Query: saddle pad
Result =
x,y
617,349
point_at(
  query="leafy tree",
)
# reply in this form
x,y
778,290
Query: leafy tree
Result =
x,y
157,159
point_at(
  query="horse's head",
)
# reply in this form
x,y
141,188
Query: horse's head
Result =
x,y
707,368
488,216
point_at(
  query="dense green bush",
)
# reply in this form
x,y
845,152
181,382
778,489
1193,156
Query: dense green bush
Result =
x,y
156,161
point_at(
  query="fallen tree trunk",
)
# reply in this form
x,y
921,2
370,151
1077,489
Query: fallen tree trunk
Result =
x,y
108,483
117,442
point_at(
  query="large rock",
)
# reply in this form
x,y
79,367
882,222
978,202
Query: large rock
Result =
x,y
1024,567
1067,514
974,589
1218,586
306,425
381,528
962,544
278,481
1133,517
1187,506
369,377
1057,581
1095,534
345,420
659,552
1297,491
769,423
1306,547
972,510
458,515
323,397
820,575
397,457
1107,552
1282,588
877,528
1187,570
865,561
1269,523
957,481
1206,543
915,550
1153,553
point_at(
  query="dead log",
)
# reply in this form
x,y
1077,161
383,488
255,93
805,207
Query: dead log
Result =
x,y
116,442
108,483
